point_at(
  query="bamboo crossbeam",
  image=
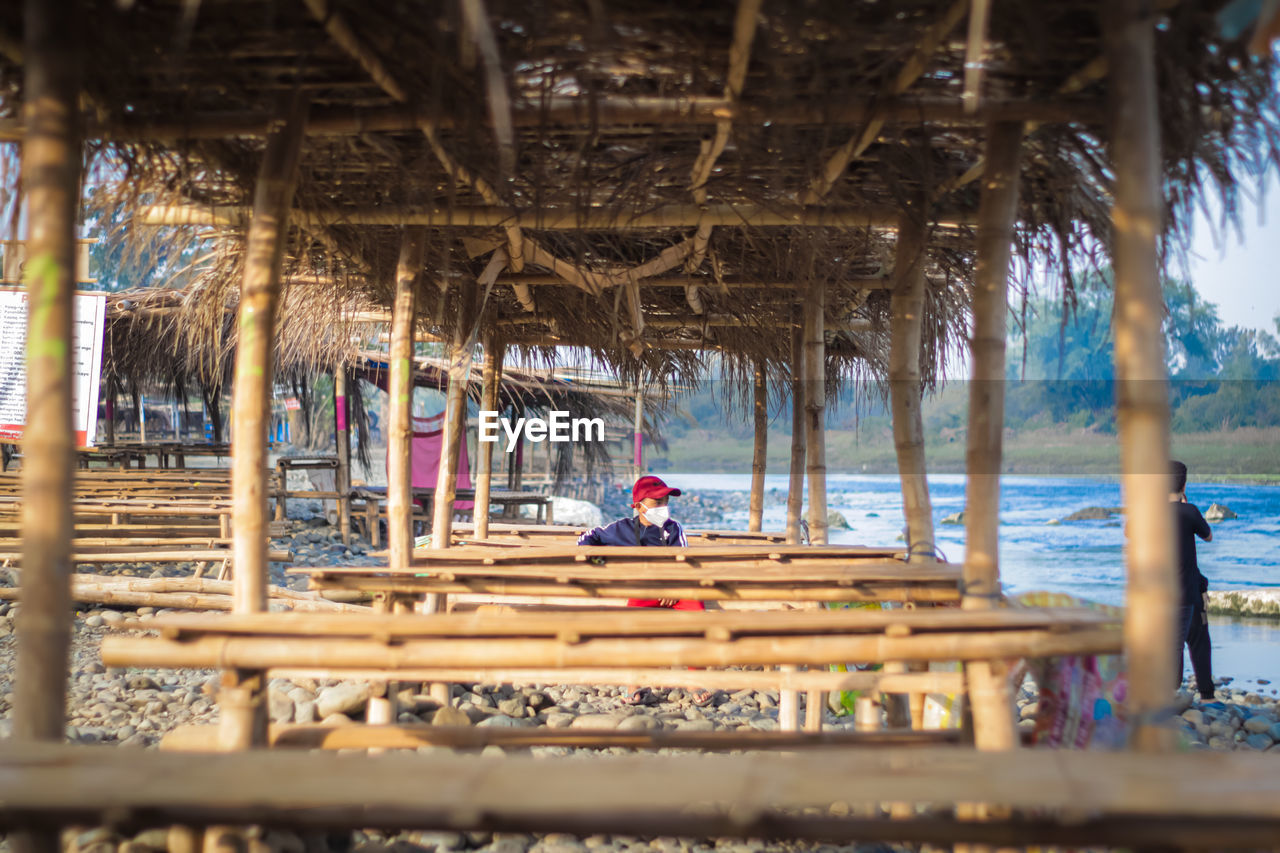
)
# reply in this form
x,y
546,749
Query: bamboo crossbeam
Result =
x,y
151,555
772,553
944,592
635,622
1062,798
670,216
706,679
180,593
204,738
603,111
267,653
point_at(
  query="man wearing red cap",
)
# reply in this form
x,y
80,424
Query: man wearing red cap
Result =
x,y
652,525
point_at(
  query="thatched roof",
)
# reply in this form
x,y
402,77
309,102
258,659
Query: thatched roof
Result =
x,y
729,155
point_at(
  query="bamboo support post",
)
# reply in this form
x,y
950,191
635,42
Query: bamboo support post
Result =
x,y
814,709
400,392
491,379
907,309
1142,401
455,419
990,699
760,410
342,433
51,178
795,485
255,356
789,705
815,405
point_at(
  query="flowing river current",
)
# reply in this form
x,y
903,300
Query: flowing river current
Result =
x,y
1084,558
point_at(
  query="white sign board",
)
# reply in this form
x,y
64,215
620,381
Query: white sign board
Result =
x,y
86,363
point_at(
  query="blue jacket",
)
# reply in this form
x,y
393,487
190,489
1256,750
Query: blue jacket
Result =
x,y
629,531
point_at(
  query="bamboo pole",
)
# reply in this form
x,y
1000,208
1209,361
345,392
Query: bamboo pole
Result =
x,y
194,737
335,654
181,594
990,699
491,381
815,405
400,388
1142,401
907,309
760,408
455,420
251,394
342,432
637,461
795,486
563,219
51,178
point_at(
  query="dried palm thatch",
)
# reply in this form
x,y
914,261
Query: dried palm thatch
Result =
x,y
663,177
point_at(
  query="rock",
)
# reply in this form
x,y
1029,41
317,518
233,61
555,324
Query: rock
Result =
x,y
141,682
639,723
1258,725
304,712
94,620
1194,716
1274,731
1092,513
1259,741
450,716
836,521
1219,512
279,706
336,720
344,698
1054,522
506,845
694,726
560,845
1221,728
763,724
560,720
954,518
437,840
513,707
594,721
500,721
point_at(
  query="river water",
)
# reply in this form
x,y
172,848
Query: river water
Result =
x,y
1084,558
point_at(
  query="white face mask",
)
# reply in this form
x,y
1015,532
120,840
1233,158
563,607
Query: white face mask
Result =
x,y
657,515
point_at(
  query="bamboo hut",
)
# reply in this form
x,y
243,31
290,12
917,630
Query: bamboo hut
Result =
x,y
823,190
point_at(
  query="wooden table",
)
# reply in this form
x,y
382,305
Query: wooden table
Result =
x,y
374,498
709,573
285,464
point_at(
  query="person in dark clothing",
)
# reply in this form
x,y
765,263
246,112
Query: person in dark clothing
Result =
x,y
652,525
1193,621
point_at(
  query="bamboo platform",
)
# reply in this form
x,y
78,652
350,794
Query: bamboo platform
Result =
x,y
709,573
390,644
1065,798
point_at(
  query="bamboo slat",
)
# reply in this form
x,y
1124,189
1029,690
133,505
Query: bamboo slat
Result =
x,y
1071,798
203,738
636,622
337,655
815,407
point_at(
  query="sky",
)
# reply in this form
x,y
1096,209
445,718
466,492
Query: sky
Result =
x,y
1241,277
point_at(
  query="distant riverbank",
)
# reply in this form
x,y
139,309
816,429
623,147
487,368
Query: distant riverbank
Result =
x,y
1243,455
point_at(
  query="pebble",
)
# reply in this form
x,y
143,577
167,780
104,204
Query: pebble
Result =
x,y
594,721
449,716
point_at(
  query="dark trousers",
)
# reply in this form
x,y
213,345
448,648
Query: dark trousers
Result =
x,y
1201,650
1186,614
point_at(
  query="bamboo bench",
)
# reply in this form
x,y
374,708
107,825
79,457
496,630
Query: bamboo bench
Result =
x,y
709,573
1055,798
629,646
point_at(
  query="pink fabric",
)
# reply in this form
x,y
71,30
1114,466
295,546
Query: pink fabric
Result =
x,y
428,436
